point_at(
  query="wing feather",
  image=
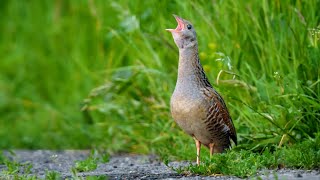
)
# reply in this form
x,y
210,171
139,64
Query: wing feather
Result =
x,y
218,118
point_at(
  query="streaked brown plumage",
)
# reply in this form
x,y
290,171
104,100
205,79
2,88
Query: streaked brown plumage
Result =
x,y
195,105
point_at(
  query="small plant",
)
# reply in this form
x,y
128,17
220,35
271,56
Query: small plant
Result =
x,y
14,167
14,171
2,158
91,163
105,157
52,175
96,178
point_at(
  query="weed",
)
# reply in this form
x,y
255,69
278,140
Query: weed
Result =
x,y
91,163
52,175
13,167
105,157
96,178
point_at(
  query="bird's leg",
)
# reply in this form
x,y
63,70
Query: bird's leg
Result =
x,y
198,145
211,145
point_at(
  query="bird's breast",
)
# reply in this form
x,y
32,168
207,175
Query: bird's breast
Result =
x,y
185,101
187,109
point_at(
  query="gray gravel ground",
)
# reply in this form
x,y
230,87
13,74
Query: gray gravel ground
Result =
x,y
128,167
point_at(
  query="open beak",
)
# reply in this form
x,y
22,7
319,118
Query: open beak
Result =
x,y
180,24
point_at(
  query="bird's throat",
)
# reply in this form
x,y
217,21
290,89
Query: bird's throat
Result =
x,y
190,71
188,62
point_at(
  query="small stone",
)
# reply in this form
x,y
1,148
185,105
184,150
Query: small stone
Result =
x,y
115,166
299,175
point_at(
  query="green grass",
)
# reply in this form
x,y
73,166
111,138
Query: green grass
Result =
x,y
52,175
96,74
91,162
245,163
16,170
241,163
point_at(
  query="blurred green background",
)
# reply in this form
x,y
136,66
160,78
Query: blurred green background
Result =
x,y
99,74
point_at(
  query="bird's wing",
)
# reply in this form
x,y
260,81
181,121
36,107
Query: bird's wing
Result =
x,y
218,115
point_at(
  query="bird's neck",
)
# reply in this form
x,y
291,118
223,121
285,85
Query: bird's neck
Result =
x,y
188,61
190,69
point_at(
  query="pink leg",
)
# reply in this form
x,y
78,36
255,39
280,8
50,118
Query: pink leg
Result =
x,y
211,145
198,145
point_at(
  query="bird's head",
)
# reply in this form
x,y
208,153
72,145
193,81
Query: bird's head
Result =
x,y
184,34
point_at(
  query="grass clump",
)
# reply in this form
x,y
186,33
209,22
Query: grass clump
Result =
x,y
88,164
97,177
52,175
14,167
245,163
91,162
304,155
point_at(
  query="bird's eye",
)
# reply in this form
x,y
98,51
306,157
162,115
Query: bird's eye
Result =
x,y
189,26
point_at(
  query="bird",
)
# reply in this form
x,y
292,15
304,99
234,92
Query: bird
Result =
x,y
195,105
